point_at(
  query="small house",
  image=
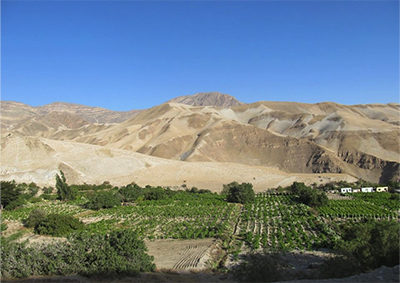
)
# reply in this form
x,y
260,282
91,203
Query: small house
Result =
x,y
345,190
367,190
382,189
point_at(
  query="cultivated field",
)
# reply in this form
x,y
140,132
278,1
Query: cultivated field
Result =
x,y
195,233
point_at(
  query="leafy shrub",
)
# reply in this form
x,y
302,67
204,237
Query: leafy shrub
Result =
x,y
58,225
35,217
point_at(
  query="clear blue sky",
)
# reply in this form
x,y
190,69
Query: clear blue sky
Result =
x,y
133,54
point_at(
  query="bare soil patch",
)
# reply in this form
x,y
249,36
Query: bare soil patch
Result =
x,y
181,255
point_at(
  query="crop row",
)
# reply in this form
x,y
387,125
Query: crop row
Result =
x,y
277,222
355,209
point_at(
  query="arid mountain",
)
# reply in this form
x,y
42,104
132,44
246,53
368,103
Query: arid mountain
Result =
x,y
296,138
207,99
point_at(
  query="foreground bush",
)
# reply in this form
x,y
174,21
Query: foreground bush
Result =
x,y
121,253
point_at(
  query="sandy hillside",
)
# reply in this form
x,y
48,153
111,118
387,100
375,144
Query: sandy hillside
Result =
x,y
28,159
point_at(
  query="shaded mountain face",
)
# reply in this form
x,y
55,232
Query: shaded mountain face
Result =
x,y
216,99
359,140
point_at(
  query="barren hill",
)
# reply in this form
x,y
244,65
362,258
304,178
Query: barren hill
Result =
x,y
296,138
207,99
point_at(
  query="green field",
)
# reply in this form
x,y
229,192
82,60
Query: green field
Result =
x,y
274,222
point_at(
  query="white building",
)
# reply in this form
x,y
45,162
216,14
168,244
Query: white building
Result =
x,y
345,190
367,190
382,189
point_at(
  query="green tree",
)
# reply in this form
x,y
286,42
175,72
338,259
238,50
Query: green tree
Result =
x,y
309,196
64,192
9,193
242,193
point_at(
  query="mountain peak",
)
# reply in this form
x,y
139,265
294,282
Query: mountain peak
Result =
x,y
207,99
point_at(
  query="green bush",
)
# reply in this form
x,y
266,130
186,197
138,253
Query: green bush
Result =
x,y
58,225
